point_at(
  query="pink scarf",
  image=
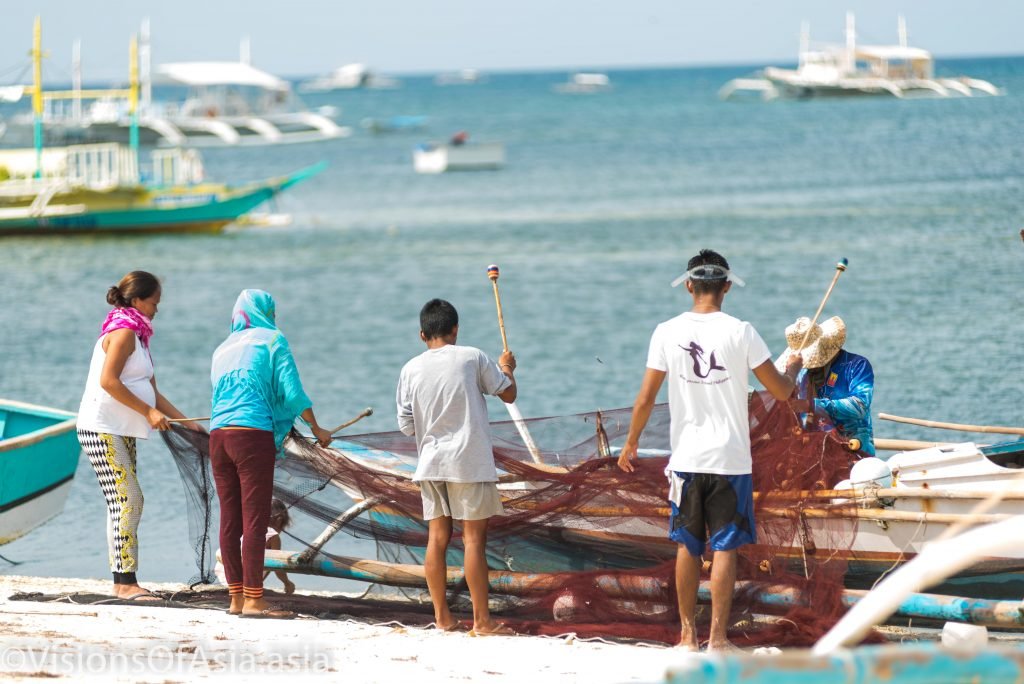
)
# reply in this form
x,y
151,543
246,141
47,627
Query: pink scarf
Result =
x,y
130,318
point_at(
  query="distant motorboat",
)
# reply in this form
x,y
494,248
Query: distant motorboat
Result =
x,y
460,77
349,77
852,69
439,158
582,83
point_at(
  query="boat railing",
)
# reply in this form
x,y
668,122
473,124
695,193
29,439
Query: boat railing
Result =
x,y
101,167
176,167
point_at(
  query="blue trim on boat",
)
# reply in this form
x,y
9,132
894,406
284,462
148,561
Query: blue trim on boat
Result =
x,y
34,495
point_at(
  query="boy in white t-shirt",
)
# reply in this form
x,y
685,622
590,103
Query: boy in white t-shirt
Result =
x,y
441,401
706,354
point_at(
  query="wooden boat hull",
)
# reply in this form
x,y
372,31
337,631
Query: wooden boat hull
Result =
x,y
38,457
198,208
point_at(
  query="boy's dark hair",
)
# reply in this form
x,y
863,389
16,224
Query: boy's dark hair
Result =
x,y
708,257
438,318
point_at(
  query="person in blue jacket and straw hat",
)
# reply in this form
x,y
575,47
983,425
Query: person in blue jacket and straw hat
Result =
x,y
257,395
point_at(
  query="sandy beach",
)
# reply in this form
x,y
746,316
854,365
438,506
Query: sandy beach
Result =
x,y
138,643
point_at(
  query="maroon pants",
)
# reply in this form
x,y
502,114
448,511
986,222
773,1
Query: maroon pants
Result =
x,y
243,469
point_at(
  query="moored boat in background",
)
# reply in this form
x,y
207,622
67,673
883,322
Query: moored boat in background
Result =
x,y
439,157
101,188
583,83
851,69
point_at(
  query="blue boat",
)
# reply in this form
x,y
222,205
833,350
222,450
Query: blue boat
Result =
x,y
38,458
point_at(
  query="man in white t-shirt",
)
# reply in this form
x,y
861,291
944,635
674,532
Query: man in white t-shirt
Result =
x,y
706,355
441,401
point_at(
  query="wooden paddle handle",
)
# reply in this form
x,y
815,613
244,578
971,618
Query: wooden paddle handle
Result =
x,y
840,268
368,411
501,318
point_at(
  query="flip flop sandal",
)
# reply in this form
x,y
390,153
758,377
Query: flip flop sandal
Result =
x,y
269,614
501,629
142,597
451,628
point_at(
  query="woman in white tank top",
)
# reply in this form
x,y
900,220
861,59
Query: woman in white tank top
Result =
x,y
121,403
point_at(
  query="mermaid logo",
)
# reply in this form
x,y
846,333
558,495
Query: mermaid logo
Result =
x,y
696,353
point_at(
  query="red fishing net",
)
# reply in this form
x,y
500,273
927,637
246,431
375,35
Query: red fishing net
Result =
x,y
583,546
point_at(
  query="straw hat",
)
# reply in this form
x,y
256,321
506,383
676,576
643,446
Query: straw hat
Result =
x,y
824,341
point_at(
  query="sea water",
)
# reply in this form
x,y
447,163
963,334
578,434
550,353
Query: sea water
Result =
x,y
603,200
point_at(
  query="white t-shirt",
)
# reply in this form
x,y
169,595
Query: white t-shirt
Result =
x,y
706,358
441,401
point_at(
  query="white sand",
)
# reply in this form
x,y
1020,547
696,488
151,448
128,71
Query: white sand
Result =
x,y
151,644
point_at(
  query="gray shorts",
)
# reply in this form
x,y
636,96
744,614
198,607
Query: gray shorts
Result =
x,y
460,500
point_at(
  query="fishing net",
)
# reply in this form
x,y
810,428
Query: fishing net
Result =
x,y
583,546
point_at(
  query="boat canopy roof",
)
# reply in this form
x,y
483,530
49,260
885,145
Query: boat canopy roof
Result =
x,y
892,53
220,73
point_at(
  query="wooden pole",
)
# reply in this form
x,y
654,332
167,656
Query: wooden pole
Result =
x,y
368,411
492,273
988,429
513,410
840,268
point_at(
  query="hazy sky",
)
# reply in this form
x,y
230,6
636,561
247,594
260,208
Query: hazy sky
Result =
x,y
298,37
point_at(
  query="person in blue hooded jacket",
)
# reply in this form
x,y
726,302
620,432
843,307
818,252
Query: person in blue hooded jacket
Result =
x,y
257,395
836,387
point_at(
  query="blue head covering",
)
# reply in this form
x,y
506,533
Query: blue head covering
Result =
x,y
254,309
255,380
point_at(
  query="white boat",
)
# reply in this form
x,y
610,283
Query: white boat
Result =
x,y
349,77
851,69
225,103
582,83
460,77
438,158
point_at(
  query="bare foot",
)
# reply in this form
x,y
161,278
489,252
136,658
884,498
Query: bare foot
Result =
x,y
237,602
723,646
688,640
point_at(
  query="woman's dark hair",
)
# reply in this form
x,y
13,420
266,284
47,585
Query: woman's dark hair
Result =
x,y
279,512
135,285
438,318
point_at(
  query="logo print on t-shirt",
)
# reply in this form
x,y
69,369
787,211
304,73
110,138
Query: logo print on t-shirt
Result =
x,y
696,353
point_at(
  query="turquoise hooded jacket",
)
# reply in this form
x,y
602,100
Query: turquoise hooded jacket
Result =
x,y
255,380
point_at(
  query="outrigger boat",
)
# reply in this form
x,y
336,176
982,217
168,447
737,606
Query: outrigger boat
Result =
x,y
224,104
90,188
100,188
853,69
38,457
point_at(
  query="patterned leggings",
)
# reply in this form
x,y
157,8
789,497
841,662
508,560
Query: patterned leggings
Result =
x,y
113,459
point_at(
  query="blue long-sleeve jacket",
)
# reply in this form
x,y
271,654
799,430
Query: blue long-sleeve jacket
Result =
x,y
845,397
255,380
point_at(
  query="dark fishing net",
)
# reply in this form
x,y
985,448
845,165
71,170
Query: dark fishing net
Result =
x,y
583,546
191,452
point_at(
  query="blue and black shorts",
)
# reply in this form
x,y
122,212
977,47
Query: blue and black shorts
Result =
x,y
713,509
